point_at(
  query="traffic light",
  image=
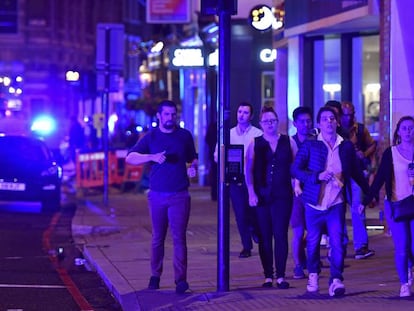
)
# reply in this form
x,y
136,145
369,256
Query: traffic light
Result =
x,y
8,16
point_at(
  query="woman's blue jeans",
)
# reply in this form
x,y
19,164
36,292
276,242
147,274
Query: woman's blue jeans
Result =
x,y
403,237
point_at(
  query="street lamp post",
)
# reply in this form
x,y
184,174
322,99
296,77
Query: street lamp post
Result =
x,y
73,78
224,9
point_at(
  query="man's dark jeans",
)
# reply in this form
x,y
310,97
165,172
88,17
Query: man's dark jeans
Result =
x,y
169,209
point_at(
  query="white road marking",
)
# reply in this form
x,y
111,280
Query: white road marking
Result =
x,y
30,286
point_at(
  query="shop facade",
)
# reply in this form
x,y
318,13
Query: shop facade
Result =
x,y
346,51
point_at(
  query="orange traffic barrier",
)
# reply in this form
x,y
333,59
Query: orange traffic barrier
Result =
x,y
127,172
90,169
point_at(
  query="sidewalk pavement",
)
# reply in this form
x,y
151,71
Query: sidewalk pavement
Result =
x,y
115,240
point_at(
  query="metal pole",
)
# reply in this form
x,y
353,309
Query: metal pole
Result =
x,y
105,110
223,243
105,144
109,63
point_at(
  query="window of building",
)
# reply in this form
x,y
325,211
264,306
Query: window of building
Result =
x,y
327,71
363,85
367,88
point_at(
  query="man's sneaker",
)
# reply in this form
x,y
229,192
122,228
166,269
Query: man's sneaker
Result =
x,y
337,288
313,282
363,253
154,283
245,253
298,273
405,290
181,287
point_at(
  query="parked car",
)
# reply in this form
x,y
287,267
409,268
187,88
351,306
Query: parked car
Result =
x,y
29,172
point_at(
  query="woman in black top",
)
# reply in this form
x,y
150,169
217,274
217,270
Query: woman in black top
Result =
x,y
269,185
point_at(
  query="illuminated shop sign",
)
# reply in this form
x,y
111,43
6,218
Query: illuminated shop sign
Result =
x,y
261,17
268,55
182,57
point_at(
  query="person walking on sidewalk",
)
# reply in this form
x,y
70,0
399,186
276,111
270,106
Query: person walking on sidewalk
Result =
x,y
302,120
269,184
397,172
324,166
365,147
168,148
242,134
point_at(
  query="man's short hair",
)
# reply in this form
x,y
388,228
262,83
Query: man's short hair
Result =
x,y
166,103
301,110
246,104
336,105
323,109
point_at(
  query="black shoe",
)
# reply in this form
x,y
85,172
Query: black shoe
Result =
x,y
268,283
181,287
282,284
245,253
154,282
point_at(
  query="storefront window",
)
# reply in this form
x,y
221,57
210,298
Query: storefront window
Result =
x,y
327,71
369,87
365,77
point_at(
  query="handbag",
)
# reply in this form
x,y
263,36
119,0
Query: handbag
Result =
x,y
403,210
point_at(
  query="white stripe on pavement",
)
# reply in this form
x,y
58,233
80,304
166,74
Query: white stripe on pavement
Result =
x,y
30,286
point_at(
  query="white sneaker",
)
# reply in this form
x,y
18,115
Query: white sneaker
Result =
x,y
410,276
405,290
337,288
313,282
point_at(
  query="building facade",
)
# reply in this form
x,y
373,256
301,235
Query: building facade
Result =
x,y
348,51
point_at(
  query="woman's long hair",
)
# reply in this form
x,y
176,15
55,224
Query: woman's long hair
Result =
x,y
396,138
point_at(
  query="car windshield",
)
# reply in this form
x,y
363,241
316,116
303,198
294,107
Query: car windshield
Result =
x,y
23,149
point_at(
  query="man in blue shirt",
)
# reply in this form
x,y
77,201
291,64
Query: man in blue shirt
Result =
x,y
168,148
